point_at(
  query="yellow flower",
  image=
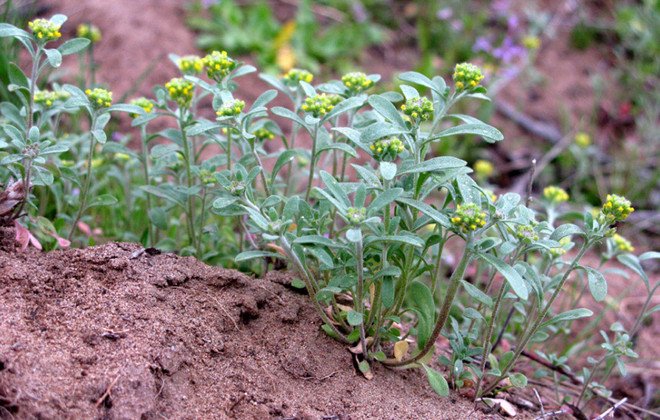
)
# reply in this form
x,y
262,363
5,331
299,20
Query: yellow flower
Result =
x,y
531,42
143,103
89,31
468,217
555,195
583,140
467,76
99,98
45,30
418,108
190,64
180,91
622,244
231,108
319,105
219,65
616,208
357,82
295,76
483,168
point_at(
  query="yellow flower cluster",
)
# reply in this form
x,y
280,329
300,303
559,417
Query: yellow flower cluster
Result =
x,y
616,208
143,103
469,217
45,30
561,250
622,244
180,90
319,105
531,42
583,140
89,31
295,76
555,195
418,108
387,148
190,64
357,81
483,168
99,98
231,108
527,234
356,215
219,65
467,76
263,134
47,98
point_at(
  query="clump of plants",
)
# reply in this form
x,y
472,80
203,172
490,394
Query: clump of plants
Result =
x,y
394,246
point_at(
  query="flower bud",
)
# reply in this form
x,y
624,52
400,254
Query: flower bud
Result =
x,y
219,65
180,91
143,103
231,108
45,30
555,195
356,215
622,244
418,109
357,82
99,98
468,217
387,149
295,76
190,64
616,208
319,105
89,31
467,76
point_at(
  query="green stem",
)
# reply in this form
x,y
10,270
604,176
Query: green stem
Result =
x,y
88,181
147,180
312,164
539,320
310,288
229,149
454,282
488,337
189,181
359,302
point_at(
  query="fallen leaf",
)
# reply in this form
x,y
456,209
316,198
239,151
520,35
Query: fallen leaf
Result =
x,y
400,349
503,406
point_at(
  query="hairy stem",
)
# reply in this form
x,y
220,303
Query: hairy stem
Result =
x,y
454,282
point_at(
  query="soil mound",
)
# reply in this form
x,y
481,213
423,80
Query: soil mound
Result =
x,y
120,332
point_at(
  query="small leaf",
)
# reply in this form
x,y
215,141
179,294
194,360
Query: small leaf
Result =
x,y
437,381
73,46
354,235
54,57
250,255
388,170
386,109
565,230
354,318
632,262
488,132
298,284
518,380
510,274
597,284
225,201
568,316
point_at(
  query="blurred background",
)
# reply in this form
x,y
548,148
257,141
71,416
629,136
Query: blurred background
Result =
x,y
574,84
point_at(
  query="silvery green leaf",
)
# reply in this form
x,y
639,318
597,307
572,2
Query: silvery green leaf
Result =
x,y
512,276
250,255
387,170
100,136
565,230
387,110
488,132
439,163
597,284
224,201
568,316
54,57
409,92
73,46
437,381
343,106
354,235
58,19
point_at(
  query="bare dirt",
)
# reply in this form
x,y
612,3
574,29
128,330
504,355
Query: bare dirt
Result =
x,y
103,333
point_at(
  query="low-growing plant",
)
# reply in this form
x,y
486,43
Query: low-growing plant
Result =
x,y
392,244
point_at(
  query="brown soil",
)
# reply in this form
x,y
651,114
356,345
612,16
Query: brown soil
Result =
x,y
101,333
